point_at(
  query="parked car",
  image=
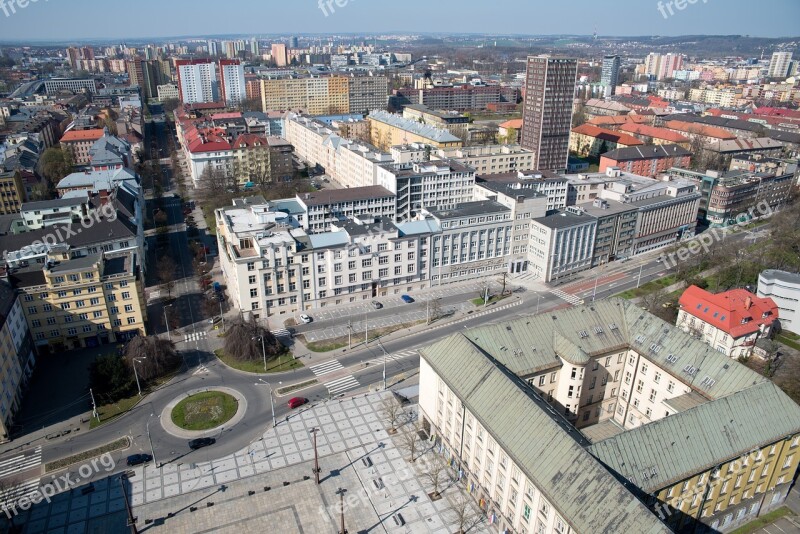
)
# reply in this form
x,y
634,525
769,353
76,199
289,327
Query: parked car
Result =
x,y
305,318
377,305
407,299
296,402
138,459
215,320
199,443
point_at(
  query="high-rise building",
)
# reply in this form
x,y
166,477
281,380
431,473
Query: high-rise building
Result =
x,y
145,74
293,43
74,55
197,80
232,82
547,110
213,50
279,54
779,64
254,47
662,66
610,73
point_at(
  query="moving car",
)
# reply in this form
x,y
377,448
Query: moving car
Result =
x,y
138,459
377,305
199,443
407,299
305,318
296,402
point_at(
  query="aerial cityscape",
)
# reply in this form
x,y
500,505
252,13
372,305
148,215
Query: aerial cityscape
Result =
x,y
344,266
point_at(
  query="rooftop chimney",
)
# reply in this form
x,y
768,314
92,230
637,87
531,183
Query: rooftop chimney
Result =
x,y
748,303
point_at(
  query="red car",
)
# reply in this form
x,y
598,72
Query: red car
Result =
x,y
296,402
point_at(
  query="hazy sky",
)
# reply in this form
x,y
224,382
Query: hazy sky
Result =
x,y
92,19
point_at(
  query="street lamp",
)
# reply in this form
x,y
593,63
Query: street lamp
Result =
x,y
152,449
384,363
316,457
263,350
166,323
271,403
135,374
341,492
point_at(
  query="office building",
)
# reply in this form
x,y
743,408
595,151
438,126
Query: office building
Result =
x,y
595,395
18,360
561,245
168,91
730,322
197,80
454,122
779,64
547,110
784,290
609,76
324,208
72,85
555,187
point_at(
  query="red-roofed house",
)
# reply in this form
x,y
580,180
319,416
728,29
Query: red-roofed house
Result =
x,y
730,322
78,142
657,136
504,129
705,133
612,121
589,140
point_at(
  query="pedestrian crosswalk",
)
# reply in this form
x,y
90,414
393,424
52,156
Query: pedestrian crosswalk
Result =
x,y
13,494
393,357
327,367
572,299
342,384
195,336
12,468
202,370
20,463
281,333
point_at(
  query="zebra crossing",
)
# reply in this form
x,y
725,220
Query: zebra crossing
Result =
x,y
563,295
195,336
14,466
202,370
283,332
327,367
342,384
393,357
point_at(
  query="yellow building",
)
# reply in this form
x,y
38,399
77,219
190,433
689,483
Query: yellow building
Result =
x,y
315,96
388,130
12,193
83,302
16,357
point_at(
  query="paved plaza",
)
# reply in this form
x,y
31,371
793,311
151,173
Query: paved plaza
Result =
x,y
270,485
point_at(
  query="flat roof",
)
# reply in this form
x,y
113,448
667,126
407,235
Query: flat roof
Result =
x,y
333,196
563,220
468,209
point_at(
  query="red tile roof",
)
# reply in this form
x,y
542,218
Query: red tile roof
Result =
x,y
607,135
777,112
655,133
612,120
699,129
513,123
82,135
250,140
736,312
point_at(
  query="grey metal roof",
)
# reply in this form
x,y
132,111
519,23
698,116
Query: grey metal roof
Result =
x,y
428,132
55,203
466,209
564,220
636,153
664,452
544,446
780,276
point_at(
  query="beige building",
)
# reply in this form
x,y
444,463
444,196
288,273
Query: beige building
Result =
x,y
315,96
387,130
599,395
80,302
12,192
260,160
16,365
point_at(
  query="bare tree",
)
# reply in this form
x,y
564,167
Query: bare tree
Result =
x,y
464,511
484,289
155,356
391,410
653,301
435,472
411,442
502,280
242,342
434,310
166,273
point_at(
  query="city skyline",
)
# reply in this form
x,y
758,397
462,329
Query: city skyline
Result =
x,y
59,21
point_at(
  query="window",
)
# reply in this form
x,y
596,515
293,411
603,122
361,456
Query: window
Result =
x,y
129,308
126,295
657,378
671,386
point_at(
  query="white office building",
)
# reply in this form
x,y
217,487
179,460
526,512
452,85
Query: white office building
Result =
x,y
784,289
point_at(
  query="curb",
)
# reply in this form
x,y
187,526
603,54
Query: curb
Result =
x,y
165,418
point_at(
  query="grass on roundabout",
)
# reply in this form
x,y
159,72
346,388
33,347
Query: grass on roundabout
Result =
x,y
203,411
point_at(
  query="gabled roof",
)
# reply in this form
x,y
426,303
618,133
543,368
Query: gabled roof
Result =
x,y
655,133
82,135
736,312
699,129
664,452
637,153
606,135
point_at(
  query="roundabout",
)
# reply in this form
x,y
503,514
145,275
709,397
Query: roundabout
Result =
x,y
202,412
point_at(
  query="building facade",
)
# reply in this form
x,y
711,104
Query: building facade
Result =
x,y
18,358
784,290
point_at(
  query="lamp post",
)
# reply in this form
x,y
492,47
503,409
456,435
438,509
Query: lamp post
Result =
x,y
384,363
166,323
639,281
263,350
152,449
538,301
271,402
340,492
222,316
135,374
316,457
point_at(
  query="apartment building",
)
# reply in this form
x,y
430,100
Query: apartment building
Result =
x,y
561,245
18,359
46,213
463,97
79,143
387,130
232,82
485,159
779,64
12,192
651,135
81,302
429,185
366,93
315,96
547,110
730,322
784,290
198,80
335,206
600,391
454,122
260,160
646,160
589,140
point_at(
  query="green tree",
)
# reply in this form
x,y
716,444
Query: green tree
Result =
x,y
242,343
56,164
111,378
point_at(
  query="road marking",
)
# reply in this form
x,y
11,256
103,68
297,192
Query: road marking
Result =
x,y
572,299
201,370
196,336
12,495
281,333
327,367
393,357
342,384
21,463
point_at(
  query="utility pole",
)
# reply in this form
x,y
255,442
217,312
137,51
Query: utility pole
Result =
x,y
263,350
486,297
384,363
152,449
366,329
340,492
594,293
316,457
349,334
639,281
136,375
166,323
94,406
222,316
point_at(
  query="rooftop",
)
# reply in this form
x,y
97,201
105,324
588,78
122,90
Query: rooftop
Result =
x,y
437,135
781,276
563,220
334,196
82,135
636,153
467,209
606,135
736,312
